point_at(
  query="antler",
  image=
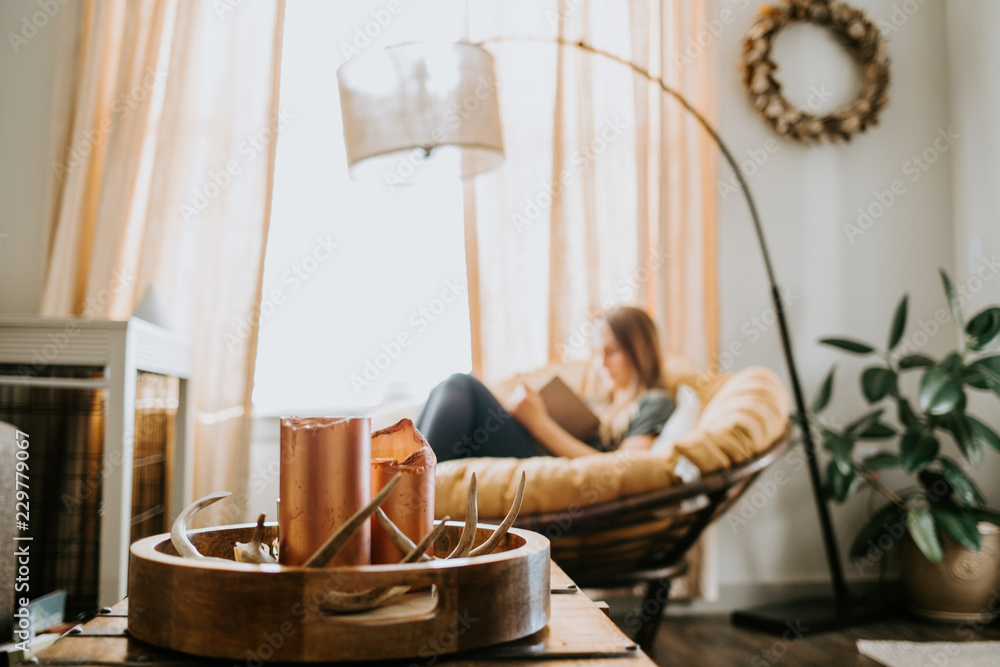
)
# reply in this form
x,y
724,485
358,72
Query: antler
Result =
x,y
490,544
343,535
468,537
398,537
373,597
336,602
255,551
178,532
465,542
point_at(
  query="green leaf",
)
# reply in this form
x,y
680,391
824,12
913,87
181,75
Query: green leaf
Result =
x,y
938,393
982,514
958,524
915,360
881,461
841,447
907,416
963,487
874,528
952,364
984,329
854,346
935,486
983,374
973,373
898,323
959,425
877,383
921,526
877,431
864,422
917,450
953,301
983,433
839,482
825,391
973,378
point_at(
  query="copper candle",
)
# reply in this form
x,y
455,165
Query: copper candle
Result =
x,y
401,448
325,478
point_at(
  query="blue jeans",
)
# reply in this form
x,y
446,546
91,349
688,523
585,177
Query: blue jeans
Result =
x,y
462,419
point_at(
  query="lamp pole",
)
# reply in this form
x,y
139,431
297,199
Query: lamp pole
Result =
x,y
818,614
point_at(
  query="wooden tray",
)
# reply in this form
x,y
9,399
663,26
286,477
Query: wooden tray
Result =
x,y
272,612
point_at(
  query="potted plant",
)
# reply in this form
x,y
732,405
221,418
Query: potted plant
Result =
x,y
949,543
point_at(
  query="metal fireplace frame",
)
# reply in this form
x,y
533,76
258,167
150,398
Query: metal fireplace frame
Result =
x,y
122,349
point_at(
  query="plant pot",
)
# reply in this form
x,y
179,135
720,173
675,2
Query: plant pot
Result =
x,y
965,586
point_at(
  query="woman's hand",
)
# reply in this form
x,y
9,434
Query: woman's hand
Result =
x,y
527,407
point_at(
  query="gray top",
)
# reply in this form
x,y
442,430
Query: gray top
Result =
x,y
655,407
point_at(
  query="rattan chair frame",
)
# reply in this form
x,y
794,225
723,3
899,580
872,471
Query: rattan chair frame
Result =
x,y
644,538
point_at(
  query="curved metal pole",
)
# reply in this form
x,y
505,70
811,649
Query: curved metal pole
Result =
x,y
829,540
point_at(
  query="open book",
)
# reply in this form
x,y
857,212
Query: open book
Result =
x,y
569,410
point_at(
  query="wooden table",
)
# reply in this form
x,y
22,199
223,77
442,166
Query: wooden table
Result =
x,y
579,634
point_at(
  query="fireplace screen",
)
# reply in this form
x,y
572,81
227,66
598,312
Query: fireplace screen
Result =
x,y
68,470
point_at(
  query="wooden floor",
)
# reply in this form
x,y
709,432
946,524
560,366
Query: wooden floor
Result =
x,y
710,641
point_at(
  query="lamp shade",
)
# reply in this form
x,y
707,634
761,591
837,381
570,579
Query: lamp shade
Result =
x,y
420,111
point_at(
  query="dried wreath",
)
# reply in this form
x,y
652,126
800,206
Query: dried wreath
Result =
x,y
852,29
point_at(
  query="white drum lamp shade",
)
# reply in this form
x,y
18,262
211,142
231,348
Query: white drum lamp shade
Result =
x,y
419,111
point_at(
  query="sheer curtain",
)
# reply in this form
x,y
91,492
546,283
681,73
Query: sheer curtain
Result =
x,y
607,195
165,184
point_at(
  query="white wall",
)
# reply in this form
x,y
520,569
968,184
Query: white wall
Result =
x,y
33,106
842,282
974,96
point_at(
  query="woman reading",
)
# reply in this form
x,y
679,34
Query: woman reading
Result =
x,y
633,408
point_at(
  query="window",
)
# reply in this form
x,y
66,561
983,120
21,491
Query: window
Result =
x,y
365,295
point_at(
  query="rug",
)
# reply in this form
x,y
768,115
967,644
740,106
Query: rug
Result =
x,y
931,654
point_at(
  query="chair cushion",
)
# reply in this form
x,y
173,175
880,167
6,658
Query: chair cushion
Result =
x,y
746,415
552,483
743,414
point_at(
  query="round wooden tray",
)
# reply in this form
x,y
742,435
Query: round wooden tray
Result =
x,y
272,612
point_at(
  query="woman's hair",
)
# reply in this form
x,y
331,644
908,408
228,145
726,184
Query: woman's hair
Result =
x,y
636,334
